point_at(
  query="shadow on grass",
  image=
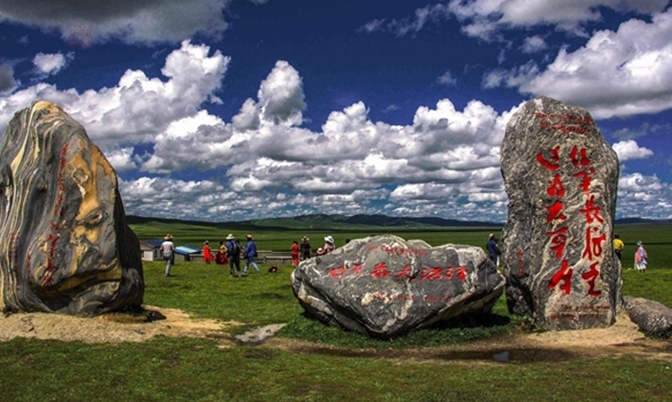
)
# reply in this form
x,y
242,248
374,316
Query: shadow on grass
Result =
x,y
501,355
452,332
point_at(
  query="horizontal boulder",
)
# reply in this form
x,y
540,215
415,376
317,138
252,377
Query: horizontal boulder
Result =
x,y
385,286
651,317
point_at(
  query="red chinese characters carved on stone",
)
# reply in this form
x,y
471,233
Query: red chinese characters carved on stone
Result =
x,y
521,261
431,273
357,268
462,272
590,277
579,157
555,212
556,189
591,211
405,273
558,241
553,163
380,270
585,180
337,272
593,244
564,274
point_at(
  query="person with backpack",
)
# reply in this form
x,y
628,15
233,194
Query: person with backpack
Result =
x,y
250,254
167,250
493,250
233,252
305,249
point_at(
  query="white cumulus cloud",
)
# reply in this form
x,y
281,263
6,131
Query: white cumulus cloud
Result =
x,y
617,73
47,64
138,108
629,150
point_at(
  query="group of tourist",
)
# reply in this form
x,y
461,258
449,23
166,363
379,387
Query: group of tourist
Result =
x,y
641,256
303,251
230,252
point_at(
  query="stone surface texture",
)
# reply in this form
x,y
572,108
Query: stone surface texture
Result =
x,y
651,317
64,243
385,286
561,177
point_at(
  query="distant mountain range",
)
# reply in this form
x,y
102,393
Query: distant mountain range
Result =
x,y
335,222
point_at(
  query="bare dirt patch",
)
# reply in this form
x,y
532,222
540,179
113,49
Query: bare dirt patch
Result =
x,y
112,328
623,339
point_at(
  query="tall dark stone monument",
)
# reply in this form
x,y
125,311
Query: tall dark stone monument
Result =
x,y
561,177
64,243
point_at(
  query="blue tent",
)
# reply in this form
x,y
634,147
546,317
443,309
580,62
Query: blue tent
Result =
x,y
187,250
153,243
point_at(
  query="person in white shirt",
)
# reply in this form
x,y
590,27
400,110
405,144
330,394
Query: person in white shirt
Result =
x,y
167,252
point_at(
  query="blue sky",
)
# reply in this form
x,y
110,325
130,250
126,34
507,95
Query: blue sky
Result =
x,y
225,110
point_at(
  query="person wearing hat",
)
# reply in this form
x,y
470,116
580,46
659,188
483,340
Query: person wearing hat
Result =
x,y
328,247
641,257
493,250
207,256
233,252
167,250
250,254
305,248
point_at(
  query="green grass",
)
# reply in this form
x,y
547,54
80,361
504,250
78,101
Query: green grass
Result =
x,y
196,370
348,367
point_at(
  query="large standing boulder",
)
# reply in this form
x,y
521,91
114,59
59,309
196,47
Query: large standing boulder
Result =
x,y
651,317
64,243
385,286
561,177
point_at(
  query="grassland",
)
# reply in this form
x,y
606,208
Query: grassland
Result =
x,y
187,369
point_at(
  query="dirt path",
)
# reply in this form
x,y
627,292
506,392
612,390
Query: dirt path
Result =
x,y
621,339
110,327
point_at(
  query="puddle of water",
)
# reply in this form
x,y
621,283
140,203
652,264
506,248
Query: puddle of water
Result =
x,y
259,334
510,356
502,357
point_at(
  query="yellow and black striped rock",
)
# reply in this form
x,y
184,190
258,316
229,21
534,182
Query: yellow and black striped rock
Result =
x,y
65,245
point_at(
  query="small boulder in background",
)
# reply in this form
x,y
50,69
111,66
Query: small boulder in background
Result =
x,y
651,317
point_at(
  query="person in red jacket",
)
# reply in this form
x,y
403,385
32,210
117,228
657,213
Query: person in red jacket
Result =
x,y
295,253
207,255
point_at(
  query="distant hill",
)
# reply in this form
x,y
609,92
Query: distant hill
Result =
x,y
333,222
643,221
342,222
